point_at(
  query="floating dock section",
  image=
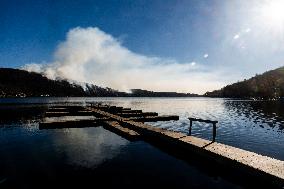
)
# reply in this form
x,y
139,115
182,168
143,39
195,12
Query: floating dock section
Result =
x,y
130,124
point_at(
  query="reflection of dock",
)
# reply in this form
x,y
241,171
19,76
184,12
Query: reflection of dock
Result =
x,y
130,124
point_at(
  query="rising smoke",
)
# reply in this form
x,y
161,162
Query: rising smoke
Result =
x,y
90,55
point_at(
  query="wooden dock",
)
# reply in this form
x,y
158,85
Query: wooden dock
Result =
x,y
130,124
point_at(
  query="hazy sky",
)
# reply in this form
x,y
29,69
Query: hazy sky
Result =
x,y
186,46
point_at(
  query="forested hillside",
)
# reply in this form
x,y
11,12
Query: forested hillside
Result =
x,y
20,83
267,85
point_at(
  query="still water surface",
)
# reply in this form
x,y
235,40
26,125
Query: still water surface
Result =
x,y
28,154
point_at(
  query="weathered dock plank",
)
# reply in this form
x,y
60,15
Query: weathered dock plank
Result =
x,y
56,114
107,114
131,111
115,127
58,108
135,114
66,108
155,118
115,109
67,113
76,123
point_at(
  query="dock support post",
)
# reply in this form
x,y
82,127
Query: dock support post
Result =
x,y
190,126
214,132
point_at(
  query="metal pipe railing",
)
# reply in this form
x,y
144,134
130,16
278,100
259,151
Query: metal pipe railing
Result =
x,y
204,121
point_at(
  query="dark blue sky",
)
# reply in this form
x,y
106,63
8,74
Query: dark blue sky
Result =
x,y
238,37
31,30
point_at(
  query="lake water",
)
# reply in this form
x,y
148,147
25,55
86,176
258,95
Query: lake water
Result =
x,y
29,156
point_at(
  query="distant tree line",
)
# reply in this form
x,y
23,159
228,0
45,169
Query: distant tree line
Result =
x,y
145,93
20,83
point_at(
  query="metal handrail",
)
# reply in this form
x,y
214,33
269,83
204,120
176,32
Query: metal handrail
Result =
x,y
204,121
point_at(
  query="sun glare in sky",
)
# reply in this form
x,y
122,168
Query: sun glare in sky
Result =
x,y
272,14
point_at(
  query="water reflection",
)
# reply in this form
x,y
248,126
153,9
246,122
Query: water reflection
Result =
x,y
251,125
29,154
87,147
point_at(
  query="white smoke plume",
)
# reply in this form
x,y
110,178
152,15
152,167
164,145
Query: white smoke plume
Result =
x,y
90,55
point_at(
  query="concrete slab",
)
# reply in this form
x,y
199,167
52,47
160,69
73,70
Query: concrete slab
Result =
x,y
262,163
198,142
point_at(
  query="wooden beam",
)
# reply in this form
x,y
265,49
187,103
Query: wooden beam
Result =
x,y
154,118
143,114
131,111
76,123
202,120
64,113
115,127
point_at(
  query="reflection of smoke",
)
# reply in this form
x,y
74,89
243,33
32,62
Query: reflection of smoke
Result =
x,y
89,147
90,55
